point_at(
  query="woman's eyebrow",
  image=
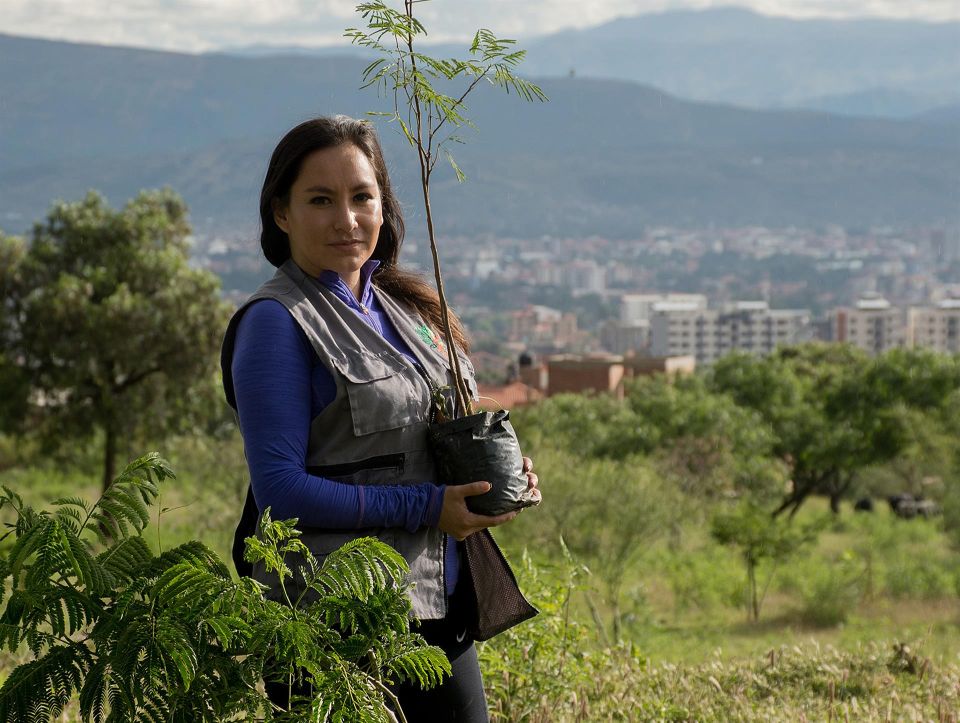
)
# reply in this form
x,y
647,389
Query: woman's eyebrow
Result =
x,y
324,189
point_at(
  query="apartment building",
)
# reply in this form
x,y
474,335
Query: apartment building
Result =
x,y
684,328
872,325
539,326
617,337
638,308
631,332
937,327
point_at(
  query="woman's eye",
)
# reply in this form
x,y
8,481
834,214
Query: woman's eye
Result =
x,y
319,200
363,197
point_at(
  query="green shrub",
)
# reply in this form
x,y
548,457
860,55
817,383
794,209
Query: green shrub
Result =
x,y
919,576
702,579
609,512
172,637
832,592
903,559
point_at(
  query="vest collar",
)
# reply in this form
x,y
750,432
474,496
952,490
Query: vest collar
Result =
x,y
332,280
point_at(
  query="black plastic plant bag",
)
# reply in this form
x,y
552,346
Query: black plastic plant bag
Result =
x,y
482,446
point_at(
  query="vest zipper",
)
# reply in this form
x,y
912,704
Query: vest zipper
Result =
x,y
385,461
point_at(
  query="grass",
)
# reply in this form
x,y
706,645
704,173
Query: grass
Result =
x,y
933,626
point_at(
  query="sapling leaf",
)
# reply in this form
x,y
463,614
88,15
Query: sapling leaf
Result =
x,y
456,169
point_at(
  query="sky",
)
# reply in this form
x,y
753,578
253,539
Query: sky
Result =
x,y
202,25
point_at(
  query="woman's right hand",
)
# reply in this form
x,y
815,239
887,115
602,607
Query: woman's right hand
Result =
x,y
457,520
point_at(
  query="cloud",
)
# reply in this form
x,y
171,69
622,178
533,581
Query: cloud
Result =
x,y
190,25
197,25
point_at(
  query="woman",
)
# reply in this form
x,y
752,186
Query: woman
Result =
x,y
331,367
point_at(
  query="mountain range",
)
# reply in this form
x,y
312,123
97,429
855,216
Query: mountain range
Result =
x,y
604,157
860,66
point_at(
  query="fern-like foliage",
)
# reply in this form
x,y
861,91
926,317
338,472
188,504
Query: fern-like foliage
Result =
x,y
135,636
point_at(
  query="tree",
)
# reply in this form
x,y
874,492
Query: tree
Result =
x,y
14,385
107,325
793,390
758,536
705,443
836,412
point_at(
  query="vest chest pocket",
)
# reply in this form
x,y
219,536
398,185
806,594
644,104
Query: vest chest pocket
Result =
x,y
381,393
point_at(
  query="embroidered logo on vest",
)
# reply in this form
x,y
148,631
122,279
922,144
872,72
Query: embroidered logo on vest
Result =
x,y
431,338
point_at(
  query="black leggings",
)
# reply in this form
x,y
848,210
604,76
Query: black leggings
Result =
x,y
460,697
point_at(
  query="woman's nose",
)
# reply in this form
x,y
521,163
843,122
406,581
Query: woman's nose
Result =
x,y
346,219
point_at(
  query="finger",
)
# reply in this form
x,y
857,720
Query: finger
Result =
x,y
532,480
499,519
475,523
527,464
474,488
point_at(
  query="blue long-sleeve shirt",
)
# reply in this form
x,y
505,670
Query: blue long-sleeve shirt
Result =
x,y
280,386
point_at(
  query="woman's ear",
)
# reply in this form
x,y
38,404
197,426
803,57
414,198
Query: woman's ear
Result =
x,y
280,214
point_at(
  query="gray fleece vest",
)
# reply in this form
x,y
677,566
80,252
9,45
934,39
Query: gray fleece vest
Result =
x,y
374,431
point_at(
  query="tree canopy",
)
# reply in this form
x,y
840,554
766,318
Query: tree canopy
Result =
x,y
835,412
816,416
106,326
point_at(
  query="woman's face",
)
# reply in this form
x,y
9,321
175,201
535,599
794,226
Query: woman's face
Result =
x,y
334,214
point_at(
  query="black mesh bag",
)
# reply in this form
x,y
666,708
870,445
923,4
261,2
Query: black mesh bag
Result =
x,y
482,447
492,591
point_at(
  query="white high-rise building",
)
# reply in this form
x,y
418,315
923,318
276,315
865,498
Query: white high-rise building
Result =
x,y
638,308
936,328
678,329
873,325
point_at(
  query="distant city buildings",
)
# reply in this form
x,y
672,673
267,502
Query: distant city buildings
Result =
x,y
631,332
937,327
676,325
669,292
873,325
577,374
543,329
683,328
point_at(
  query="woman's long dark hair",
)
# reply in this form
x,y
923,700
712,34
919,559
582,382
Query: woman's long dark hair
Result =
x,y
288,156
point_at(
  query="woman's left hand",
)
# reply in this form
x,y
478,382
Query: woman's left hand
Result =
x,y
532,479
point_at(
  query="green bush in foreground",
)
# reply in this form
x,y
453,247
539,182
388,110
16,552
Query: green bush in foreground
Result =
x,y
140,637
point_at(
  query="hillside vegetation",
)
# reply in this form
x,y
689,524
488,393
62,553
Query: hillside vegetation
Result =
x,y
646,610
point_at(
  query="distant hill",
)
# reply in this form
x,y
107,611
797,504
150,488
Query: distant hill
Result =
x,y
603,157
876,103
868,67
733,55
945,114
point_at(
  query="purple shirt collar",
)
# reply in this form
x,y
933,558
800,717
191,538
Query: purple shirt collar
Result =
x,y
332,280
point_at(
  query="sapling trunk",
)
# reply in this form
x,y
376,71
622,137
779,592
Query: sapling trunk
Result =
x,y
463,401
461,396
754,603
